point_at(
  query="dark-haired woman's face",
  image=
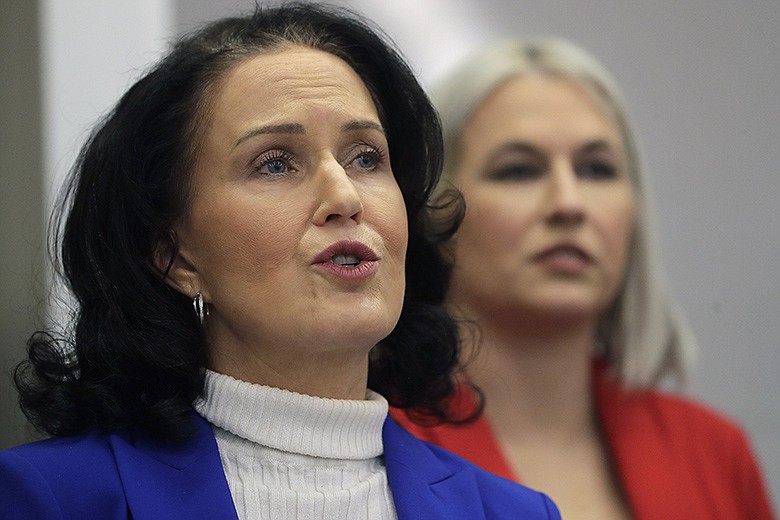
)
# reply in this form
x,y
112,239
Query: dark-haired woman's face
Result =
x,y
296,234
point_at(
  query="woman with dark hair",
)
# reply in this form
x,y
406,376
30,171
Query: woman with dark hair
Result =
x,y
271,174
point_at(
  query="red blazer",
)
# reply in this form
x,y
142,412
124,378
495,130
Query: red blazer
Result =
x,y
674,459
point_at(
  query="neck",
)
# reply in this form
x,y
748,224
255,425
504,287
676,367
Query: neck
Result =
x,y
535,373
329,373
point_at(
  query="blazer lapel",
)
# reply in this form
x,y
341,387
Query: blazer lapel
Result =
x,y
186,480
183,480
424,487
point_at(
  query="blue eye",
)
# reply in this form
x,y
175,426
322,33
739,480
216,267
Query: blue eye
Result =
x,y
274,167
273,164
369,159
366,161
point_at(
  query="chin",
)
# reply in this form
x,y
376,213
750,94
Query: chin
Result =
x,y
572,310
565,306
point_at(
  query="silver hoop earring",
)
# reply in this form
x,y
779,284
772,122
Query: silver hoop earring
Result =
x,y
201,307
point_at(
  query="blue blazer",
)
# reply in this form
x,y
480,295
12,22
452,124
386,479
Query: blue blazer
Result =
x,y
128,475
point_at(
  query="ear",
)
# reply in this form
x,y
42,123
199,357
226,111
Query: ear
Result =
x,y
174,265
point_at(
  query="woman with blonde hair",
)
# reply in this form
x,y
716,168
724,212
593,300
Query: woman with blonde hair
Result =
x,y
557,284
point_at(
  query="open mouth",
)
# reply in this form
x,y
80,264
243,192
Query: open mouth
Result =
x,y
345,260
346,253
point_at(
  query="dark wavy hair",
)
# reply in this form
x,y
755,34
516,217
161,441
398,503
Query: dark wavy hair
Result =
x,y
136,354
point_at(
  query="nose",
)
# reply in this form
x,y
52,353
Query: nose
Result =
x,y
564,196
338,197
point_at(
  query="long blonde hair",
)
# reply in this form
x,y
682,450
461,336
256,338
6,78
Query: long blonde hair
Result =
x,y
642,336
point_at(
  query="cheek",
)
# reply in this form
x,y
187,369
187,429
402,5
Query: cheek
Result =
x,y
618,226
388,218
237,236
494,223
398,239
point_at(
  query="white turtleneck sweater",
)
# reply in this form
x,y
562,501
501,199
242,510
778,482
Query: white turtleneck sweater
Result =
x,y
294,456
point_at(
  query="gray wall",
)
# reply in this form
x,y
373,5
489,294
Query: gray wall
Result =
x,y
701,77
21,200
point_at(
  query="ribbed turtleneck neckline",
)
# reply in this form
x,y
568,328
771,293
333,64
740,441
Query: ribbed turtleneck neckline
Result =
x,y
293,422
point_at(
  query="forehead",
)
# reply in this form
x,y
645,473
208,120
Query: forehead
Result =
x,y
291,73
543,105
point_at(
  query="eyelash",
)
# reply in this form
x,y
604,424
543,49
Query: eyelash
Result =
x,y
272,156
527,171
378,155
597,170
517,172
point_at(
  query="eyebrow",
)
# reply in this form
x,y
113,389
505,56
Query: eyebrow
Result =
x,y
286,128
524,147
363,124
513,146
297,128
596,146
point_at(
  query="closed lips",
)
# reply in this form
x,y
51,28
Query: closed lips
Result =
x,y
564,251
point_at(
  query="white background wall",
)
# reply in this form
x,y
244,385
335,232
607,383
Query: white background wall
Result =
x,y
701,77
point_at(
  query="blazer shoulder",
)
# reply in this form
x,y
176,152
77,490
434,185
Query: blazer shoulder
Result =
x,y
650,412
700,457
63,448
57,478
680,415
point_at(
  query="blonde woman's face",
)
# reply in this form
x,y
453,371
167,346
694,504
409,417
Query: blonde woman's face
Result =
x,y
550,207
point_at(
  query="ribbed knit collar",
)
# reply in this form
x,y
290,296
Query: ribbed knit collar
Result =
x,y
292,422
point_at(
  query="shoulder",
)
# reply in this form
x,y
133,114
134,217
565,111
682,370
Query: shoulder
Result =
x,y
675,417
457,486
70,449
671,445
691,427
54,478
681,410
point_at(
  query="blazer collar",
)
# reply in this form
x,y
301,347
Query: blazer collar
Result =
x,y
186,480
423,486
183,480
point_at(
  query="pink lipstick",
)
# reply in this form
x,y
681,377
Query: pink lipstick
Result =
x,y
348,260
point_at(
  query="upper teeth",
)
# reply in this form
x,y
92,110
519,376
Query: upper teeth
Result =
x,y
350,260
